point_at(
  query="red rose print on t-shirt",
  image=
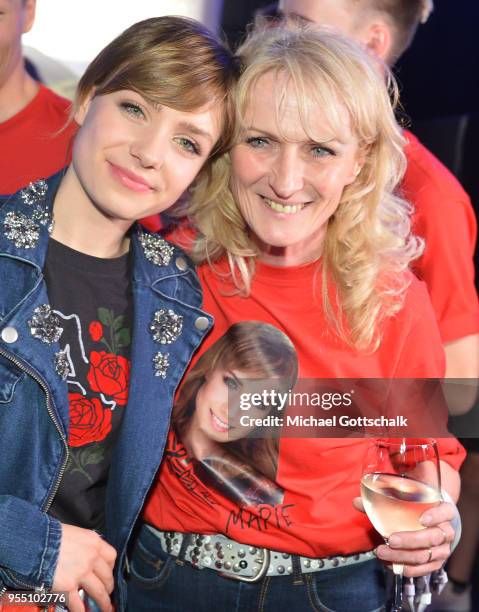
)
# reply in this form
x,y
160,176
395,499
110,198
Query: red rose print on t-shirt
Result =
x,y
96,330
109,374
89,421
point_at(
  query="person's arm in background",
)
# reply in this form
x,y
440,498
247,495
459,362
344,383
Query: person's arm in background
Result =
x,y
462,362
445,219
451,481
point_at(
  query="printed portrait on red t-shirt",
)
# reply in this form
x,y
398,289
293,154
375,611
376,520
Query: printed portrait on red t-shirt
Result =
x,y
211,445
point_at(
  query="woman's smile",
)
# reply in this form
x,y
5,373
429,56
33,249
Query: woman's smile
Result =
x,y
286,208
129,179
218,424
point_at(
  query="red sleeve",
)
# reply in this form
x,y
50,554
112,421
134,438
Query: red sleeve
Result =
x,y
423,357
36,141
422,353
444,217
451,451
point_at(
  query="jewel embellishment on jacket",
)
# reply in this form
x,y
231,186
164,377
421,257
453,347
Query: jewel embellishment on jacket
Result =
x,y
22,231
156,249
34,195
45,325
43,216
166,326
161,363
62,364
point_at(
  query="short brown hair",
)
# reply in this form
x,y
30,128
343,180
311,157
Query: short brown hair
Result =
x,y
170,61
404,17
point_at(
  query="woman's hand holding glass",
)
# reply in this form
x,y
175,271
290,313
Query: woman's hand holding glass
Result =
x,y
401,494
424,551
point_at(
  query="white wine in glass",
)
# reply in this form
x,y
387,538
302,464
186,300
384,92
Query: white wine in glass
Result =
x,y
396,503
401,480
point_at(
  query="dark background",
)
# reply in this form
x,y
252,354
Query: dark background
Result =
x,y
439,74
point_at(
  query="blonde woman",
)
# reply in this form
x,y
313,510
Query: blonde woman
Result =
x,y
308,235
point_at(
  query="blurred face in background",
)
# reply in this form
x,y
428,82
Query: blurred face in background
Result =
x,y
338,14
16,18
350,18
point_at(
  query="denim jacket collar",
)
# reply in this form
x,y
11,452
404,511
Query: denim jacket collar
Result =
x,y
22,207
166,283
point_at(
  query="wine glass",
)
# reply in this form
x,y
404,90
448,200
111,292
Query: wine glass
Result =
x,y
401,480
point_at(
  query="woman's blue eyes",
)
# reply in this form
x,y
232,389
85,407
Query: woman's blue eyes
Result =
x,y
188,145
132,109
257,142
230,382
322,152
260,142
135,111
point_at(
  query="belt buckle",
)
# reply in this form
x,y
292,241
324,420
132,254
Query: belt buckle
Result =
x,y
262,572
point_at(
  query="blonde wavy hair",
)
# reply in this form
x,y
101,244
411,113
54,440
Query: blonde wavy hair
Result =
x,y
368,245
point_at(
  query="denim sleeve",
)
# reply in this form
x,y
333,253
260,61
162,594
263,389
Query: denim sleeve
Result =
x,y
30,543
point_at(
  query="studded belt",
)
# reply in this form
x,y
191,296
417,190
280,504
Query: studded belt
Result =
x,y
242,562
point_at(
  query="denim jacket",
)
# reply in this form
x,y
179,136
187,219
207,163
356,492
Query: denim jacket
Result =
x,y
34,410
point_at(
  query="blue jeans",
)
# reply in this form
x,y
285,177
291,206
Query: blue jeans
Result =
x,y
157,582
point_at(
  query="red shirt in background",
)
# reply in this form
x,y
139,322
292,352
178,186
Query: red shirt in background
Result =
x,y
30,145
319,476
444,217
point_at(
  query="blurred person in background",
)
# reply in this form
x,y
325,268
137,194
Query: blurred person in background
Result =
x,y
32,117
444,217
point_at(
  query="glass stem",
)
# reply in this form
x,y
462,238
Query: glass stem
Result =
x,y
398,572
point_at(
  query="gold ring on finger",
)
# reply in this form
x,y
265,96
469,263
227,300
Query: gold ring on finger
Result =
x,y
429,559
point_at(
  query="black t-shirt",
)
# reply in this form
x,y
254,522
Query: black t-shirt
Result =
x,y
92,300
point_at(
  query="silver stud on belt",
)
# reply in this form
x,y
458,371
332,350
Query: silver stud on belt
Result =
x,y
232,559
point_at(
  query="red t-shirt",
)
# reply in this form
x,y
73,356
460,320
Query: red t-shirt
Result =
x,y
30,147
310,511
444,217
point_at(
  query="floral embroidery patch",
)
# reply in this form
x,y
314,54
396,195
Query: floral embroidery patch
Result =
x,y
35,193
62,364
